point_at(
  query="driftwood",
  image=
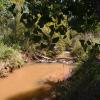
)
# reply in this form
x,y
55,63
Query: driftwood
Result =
x,y
44,59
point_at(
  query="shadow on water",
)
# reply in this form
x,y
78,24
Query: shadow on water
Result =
x,y
42,93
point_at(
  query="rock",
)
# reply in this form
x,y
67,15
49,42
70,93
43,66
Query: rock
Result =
x,y
4,72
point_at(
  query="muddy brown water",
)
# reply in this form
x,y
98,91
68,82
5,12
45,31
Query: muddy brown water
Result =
x,y
31,77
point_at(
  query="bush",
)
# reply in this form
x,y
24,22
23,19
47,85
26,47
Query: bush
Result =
x,y
10,56
84,83
77,50
60,46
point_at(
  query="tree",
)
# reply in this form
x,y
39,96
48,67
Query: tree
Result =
x,y
97,6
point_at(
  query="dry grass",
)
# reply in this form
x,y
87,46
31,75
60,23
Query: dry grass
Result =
x,y
17,1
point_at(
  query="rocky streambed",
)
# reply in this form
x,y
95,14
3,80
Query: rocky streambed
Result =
x,y
64,58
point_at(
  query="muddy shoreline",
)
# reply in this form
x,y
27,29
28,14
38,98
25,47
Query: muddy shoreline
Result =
x,y
30,77
64,58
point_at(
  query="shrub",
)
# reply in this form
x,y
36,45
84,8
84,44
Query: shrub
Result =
x,y
10,56
84,83
60,46
77,50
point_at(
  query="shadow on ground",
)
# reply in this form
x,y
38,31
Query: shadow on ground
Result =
x,y
42,93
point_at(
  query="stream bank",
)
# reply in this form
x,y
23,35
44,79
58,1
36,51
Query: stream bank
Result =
x,y
31,77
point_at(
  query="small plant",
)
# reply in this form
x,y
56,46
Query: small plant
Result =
x,y
78,50
10,57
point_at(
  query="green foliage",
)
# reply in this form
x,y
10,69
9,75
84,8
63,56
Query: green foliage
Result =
x,y
45,23
78,51
4,4
49,27
43,19
60,46
10,56
84,81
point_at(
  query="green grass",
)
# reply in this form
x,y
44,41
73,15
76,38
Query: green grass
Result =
x,y
10,56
